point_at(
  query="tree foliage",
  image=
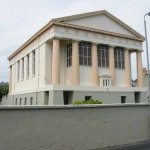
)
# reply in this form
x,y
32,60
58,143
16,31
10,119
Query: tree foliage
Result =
x,y
4,90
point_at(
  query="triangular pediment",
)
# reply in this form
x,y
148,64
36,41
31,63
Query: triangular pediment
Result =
x,y
100,20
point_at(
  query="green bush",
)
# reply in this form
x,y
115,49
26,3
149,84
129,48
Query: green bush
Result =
x,y
91,101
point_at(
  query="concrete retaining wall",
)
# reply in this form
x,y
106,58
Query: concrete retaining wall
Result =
x,y
72,127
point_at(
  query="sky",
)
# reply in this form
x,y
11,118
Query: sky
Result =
x,y
20,19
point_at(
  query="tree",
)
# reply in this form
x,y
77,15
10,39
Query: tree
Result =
x,y
3,91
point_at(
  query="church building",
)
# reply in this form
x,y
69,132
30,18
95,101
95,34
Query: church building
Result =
x,y
77,58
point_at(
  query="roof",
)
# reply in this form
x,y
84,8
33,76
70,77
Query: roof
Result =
x,y
61,19
60,22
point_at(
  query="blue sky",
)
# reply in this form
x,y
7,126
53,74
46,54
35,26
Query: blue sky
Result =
x,y
20,19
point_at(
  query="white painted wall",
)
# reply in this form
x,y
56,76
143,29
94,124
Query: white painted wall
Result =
x,y
48,63
68,76
85,75
42,67
120,77
103,71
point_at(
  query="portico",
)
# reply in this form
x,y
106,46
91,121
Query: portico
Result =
x,y
75,71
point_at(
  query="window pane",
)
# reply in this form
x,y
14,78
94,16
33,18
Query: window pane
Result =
x,y
107,54
89,51
80,51
80,60
85,60
89,61
123,66
107,62
85,51
116,66
119,64
103,63
69,54
119,58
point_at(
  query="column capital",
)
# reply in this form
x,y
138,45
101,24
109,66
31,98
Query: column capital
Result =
x,y
56,38
127,49
113,46
94,43
139,51
75,40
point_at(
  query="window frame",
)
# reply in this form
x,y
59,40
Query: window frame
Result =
x,y
28,68
33,62
22,69
119,58
69,54
85,56
18,67
103,55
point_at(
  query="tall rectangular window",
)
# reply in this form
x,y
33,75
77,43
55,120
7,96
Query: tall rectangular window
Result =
x,y
20,101
69,54
103,55
28,66
22,68
16,101
31,100
25,101
18,75
119,58
33,62
85,53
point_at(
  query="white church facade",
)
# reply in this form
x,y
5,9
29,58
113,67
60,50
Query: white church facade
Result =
x,y
76,58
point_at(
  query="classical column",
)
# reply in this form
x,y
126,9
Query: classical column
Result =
x,y
10,79
95,80
112,64
127,68
139,69
75,63
56,62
